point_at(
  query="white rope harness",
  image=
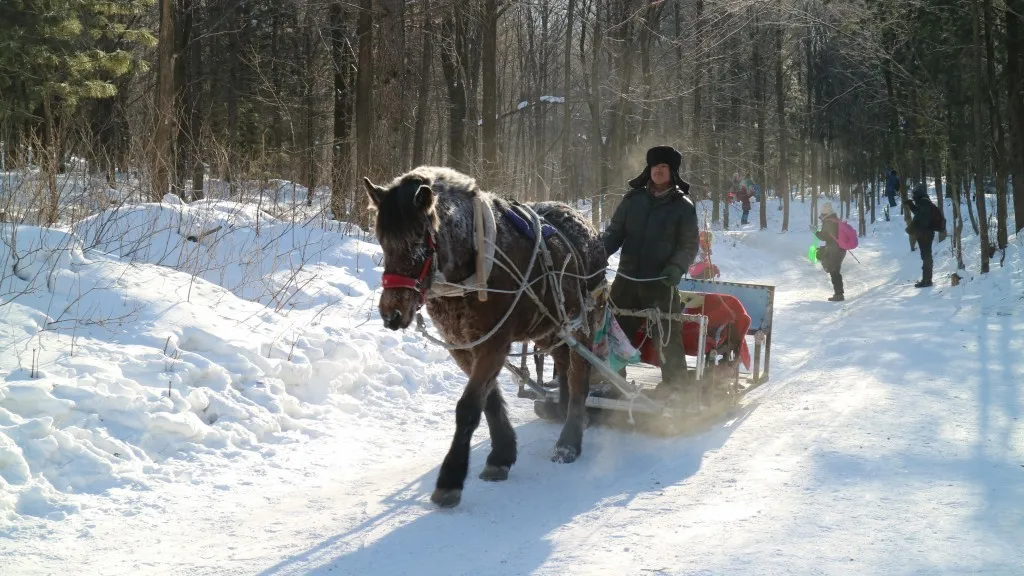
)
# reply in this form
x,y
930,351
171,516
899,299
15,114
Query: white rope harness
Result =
x,y
496,256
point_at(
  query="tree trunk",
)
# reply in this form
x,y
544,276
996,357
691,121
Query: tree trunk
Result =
x,y
364,100
196,96
183,151
782,183
309,105
596,151
617,137
996,122
50,164
389,71
759,101
700,50
341,161
490,93
650,22
1014,72
423,91
958,220
237,22
979,158
453,65
567,136
163,134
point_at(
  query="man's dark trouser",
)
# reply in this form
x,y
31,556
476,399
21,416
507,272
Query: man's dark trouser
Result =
x,y
925,243
746,214
630,295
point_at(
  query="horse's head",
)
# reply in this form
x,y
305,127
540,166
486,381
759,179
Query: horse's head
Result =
x,y
406,226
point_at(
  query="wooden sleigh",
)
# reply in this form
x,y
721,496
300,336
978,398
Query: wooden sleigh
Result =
x,y
721,323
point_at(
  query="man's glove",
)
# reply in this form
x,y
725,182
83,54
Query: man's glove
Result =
x,y
672,275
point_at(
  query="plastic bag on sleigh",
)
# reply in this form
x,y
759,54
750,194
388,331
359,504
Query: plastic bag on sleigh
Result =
x,y
612,344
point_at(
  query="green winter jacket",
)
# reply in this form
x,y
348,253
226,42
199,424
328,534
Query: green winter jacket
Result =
x,y
654,233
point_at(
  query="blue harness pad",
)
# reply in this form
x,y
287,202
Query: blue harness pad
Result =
x,y
523,225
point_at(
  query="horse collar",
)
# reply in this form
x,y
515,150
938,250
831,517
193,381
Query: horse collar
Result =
x,y
420,284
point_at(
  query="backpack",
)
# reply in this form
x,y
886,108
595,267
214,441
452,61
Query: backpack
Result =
x,y
938,222
847,237
938,219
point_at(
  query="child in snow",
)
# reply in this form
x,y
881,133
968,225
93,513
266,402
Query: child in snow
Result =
x,y
831,255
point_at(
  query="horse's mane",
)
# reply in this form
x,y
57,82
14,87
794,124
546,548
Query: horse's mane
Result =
x,y
397,214
439,178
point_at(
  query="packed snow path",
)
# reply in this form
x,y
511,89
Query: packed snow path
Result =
x,y
889,441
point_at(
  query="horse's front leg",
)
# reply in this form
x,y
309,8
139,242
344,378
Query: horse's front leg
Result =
x,y
570,442
487,360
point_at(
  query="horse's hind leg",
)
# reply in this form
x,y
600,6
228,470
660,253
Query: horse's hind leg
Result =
x,y
503,437
570,442
487,361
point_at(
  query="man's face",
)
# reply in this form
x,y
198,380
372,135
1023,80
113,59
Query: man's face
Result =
x,y
660,174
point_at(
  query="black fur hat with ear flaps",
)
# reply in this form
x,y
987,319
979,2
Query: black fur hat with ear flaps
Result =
x,y
662,155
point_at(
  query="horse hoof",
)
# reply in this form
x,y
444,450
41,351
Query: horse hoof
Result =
x,y
565,454
446,498
493,473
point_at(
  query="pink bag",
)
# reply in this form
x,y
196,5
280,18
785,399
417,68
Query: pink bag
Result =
x,y
847,239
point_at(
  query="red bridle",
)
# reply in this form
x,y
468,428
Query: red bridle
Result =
x,y
389,280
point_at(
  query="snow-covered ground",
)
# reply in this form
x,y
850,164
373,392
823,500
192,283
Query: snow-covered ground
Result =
x,y
231,404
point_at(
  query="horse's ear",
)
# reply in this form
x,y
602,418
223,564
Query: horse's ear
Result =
x,y
424,198
373,191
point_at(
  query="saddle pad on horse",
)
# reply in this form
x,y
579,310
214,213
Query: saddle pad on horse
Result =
x,y
523,225
728,322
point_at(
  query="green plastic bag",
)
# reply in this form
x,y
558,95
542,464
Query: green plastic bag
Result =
x,y
812,253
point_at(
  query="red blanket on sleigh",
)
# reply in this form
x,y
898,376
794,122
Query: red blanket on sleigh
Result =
x,y
727,321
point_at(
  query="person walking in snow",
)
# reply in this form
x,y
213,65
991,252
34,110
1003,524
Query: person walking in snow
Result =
x,y
656,227
743,191
892,186
926,222
831,255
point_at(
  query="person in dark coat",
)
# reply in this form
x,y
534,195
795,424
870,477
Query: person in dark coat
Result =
x,y
922,228
831,255
892,186
656,227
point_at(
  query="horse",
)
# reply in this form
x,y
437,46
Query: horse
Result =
x,y
425,225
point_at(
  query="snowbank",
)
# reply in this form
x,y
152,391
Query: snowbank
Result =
x,y
156,339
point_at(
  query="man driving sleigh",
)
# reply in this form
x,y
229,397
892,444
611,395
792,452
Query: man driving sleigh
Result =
x,y
656,228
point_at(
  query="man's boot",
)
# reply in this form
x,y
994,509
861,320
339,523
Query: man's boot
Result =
x,y
926,276
674,372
